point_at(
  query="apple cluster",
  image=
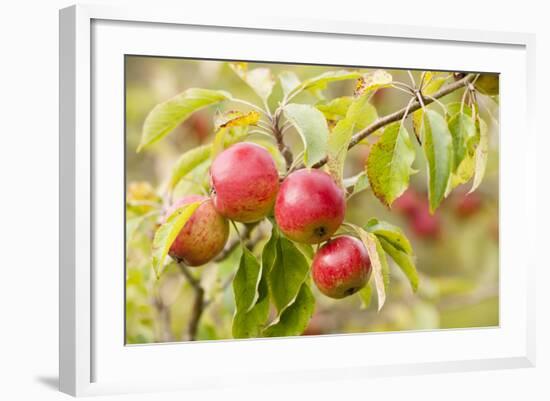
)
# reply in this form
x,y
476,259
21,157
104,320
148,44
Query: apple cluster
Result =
x,y
308,207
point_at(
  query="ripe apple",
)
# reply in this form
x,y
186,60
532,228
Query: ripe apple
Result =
x,y
245,182
341,267
203,236
310,206
488,84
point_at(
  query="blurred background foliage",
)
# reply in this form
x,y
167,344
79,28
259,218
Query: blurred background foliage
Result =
x,y
456,249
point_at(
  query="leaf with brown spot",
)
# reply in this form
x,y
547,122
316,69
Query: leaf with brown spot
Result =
x,y
389,163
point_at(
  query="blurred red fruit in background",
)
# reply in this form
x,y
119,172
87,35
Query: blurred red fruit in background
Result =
x,y
200,124
408,203
468,204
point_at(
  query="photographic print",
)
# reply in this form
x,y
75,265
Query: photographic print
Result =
x,y
282,200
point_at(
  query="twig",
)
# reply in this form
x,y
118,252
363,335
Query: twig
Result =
x,y
196,313
397,115
248,228
278,133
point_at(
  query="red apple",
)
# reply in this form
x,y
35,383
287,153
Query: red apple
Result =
x,y
341,267
310,206
203,236
245,182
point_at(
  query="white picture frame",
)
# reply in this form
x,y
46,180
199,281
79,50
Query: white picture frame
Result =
x,y
93,360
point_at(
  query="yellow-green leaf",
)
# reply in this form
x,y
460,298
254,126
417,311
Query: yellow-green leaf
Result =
x,y
372,80
294,319
481,154
289,271
391,233
438,148
403,260
335,109
320,82
246,282
289,82
188,162
259,79
389,163
312,128
462,129
365,294
168,115
379,263
167,233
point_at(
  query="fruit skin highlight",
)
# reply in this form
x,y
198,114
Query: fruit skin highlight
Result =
x,y
245,182
341,267
310,206
203,236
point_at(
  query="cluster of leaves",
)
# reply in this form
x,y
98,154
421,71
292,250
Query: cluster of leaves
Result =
x,y
273,295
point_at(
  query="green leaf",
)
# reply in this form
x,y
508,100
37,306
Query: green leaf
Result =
x,y
226,122
321,81
312,127
438,148
433,82
391,233
358,114
403,260
188,162
133,224
287,274
294,320
365,294
168,115
235,118
306,249
259,79
246,282
167,233
372,80
289,82
379,263
249,324
389,163
462,129
357,183
481,154
335,109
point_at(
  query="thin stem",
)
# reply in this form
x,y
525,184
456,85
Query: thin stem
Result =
x,y
439,103
407,91
412,78
397,115
251,105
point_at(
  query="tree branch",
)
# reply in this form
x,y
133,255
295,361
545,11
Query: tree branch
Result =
x,y
198,302
399,114
278,133
248,228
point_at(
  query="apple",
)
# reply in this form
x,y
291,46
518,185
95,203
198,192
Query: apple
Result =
x,y
310,206
203,236
244,182
341,267
488,84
